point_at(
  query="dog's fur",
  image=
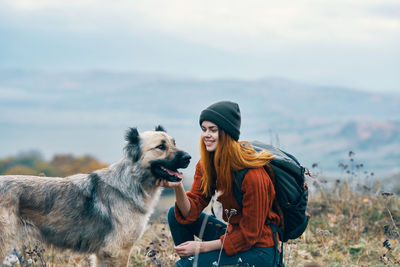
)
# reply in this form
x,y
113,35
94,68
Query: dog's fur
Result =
x,y
101,213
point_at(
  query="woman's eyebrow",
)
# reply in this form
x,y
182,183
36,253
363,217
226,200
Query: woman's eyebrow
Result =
x,y
209,127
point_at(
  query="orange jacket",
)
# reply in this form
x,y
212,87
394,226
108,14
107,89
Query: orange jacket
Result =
x,y
249,226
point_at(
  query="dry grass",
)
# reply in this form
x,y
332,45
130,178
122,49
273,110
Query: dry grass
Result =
x,y
348,227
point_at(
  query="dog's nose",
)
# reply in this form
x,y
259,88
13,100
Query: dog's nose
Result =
x,y
186,157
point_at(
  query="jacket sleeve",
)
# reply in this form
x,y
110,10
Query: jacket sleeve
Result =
x,y
258,194
198,201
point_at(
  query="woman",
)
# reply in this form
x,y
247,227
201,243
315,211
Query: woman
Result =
x,y
248,238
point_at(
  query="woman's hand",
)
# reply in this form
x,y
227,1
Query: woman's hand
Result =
x,y
192,247
181,198
167,184
188,248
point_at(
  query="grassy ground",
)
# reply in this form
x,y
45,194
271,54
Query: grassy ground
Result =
x,y
348,227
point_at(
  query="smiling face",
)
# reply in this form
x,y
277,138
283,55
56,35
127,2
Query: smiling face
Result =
x,y
209,135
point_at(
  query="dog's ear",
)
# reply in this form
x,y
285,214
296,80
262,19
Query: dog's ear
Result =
x,y
159,128
132,136
133,148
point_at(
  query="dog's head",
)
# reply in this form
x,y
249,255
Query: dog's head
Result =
x,y
156,151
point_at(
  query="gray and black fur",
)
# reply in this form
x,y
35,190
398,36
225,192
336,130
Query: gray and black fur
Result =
x,y
101,213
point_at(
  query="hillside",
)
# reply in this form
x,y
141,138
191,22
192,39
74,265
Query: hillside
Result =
x,y
88,112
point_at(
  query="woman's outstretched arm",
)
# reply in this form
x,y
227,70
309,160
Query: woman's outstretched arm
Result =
x,y
182,200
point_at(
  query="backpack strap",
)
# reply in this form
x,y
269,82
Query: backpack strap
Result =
x,y
275,204
237,185
275,232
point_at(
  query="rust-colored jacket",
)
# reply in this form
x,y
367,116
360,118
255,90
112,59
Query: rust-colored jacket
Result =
x,y
249,226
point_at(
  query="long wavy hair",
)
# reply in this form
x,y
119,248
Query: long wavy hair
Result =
x,y
229,156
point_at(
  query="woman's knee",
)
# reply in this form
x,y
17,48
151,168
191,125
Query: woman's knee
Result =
x,y
171,215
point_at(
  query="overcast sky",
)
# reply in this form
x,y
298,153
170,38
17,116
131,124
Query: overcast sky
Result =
x,y
351,43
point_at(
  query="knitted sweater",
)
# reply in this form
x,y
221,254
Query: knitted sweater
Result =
x,y
249,226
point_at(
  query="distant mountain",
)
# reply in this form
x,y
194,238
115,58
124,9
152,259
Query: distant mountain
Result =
x,y
372,134
378,142
88,112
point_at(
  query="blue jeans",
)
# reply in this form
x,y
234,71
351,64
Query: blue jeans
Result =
x,y
214,228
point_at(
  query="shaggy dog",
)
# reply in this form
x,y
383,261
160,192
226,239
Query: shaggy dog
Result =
x,y
101,213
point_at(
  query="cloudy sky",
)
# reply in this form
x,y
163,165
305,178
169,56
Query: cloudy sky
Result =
x,y
351,43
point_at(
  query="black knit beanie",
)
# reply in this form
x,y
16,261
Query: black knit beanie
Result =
x,y
226,115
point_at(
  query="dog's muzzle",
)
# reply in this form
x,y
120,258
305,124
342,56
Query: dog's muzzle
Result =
x,y
185,160
168,168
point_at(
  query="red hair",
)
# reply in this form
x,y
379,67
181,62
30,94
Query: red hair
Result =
x,y
229,156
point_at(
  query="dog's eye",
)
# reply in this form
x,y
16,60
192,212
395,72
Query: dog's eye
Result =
x,y
161,147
